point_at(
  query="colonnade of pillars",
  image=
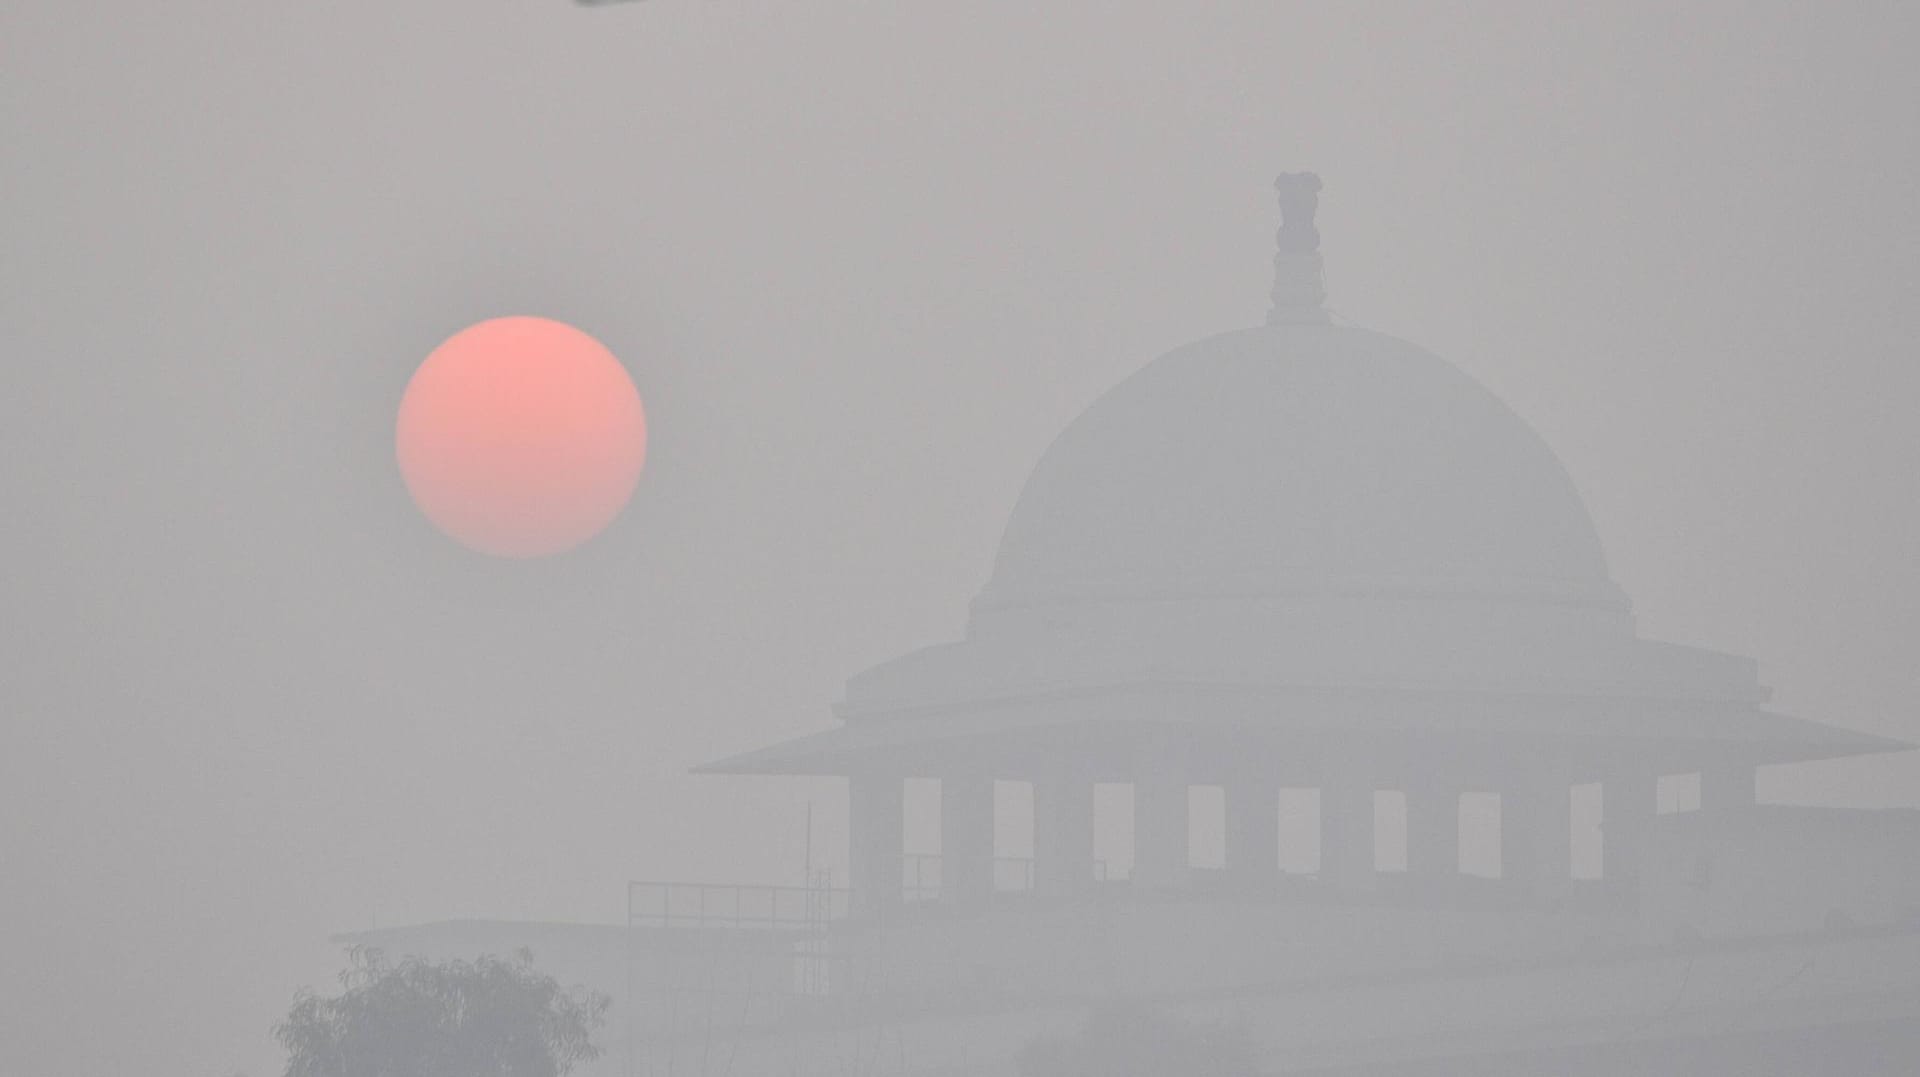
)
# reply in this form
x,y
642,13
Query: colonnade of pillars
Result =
x,y
1535,831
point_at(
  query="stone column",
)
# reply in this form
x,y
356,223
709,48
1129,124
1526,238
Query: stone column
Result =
x,y
1160,827
1253,830
1729,785
1433,830
1346,831
1627,805
876,842
1062,834
966,840
1536,835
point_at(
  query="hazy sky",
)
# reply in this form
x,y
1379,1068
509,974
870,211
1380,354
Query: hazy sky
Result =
x,y
864,260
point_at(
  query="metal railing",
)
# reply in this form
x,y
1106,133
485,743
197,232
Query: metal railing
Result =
x,y
794,908
922,878
803,908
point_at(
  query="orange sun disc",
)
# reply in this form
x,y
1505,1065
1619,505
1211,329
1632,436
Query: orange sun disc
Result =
x,y
521,437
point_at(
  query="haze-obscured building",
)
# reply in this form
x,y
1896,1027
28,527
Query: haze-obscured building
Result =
x,y
1300,699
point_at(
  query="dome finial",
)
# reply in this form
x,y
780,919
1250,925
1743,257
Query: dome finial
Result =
x,y
1299,292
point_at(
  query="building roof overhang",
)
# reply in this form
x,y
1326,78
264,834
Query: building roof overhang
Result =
x,y
1217,726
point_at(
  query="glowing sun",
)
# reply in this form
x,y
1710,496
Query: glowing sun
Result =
x,y
521,437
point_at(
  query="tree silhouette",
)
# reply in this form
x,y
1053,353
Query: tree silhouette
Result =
x,y
492,1017
1131,1041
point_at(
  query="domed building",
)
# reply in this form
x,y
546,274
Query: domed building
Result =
x,y
1314,590
1300,700
1300,556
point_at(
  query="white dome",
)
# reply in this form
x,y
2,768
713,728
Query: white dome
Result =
x,y
1298,459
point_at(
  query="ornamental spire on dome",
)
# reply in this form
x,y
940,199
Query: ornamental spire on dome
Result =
x,y
1299,290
